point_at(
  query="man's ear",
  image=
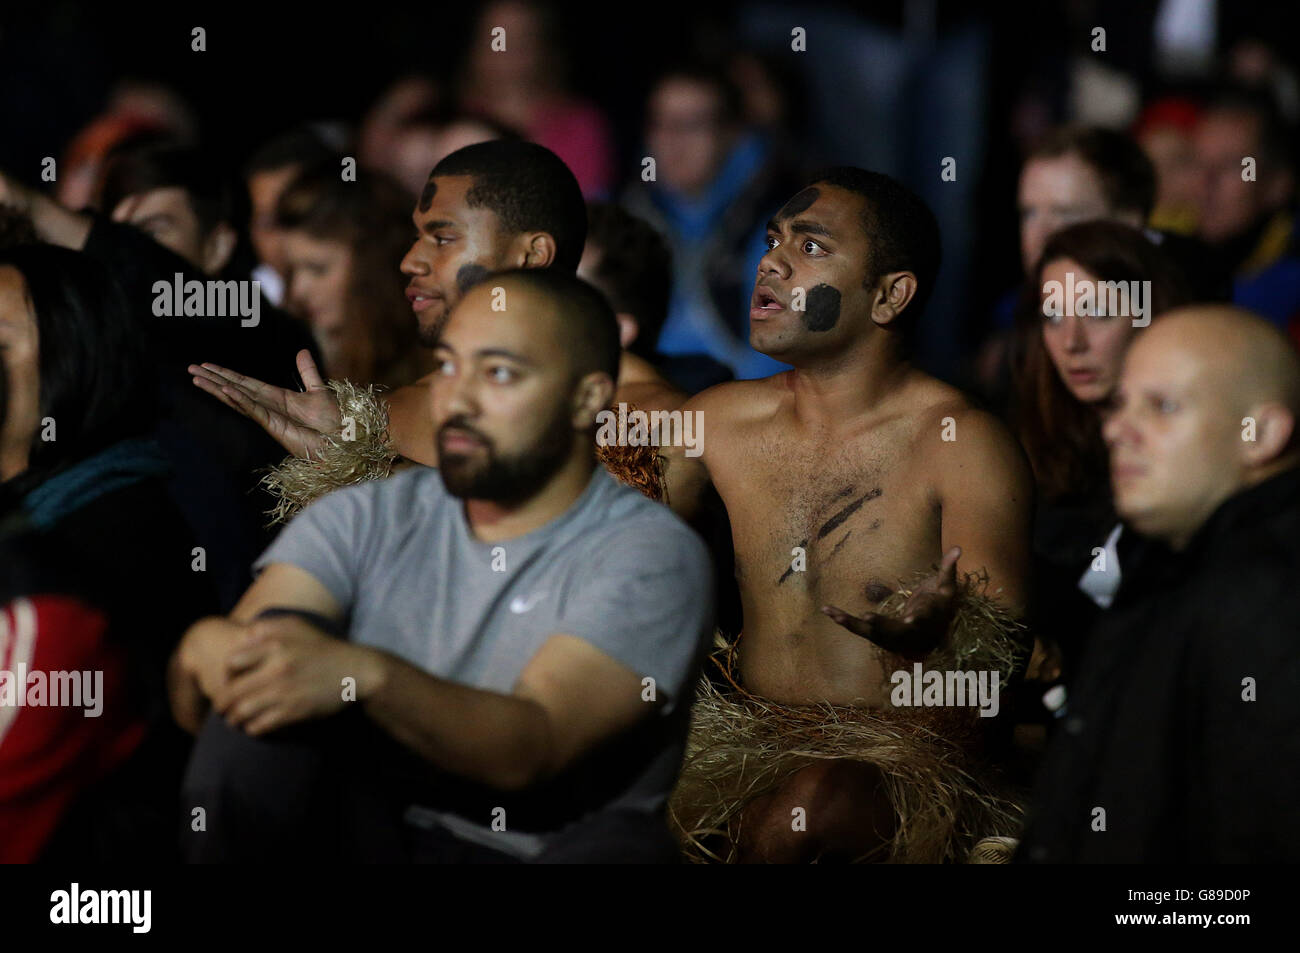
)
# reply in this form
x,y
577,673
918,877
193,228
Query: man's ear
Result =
x,y
218,247
1274,428
594,393
893,293
628,329
536,250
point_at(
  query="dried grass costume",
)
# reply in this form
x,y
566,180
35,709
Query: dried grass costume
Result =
x,y
368,456
741,746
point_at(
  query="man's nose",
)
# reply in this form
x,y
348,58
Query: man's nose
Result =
x,y
774,262
1116,428
456,394
412,263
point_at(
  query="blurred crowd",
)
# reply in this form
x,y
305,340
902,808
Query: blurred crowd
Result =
x,y
1162,151
726,127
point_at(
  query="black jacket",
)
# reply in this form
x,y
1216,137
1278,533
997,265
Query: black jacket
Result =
x,y
1158,731
218,454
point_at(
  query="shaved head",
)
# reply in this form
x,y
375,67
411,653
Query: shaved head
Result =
x,y
526,361
1207,406
1255,360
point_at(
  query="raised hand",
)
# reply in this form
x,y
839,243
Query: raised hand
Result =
x,y
925,618
297,420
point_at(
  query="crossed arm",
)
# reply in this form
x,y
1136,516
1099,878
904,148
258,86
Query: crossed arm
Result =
x,y
264,674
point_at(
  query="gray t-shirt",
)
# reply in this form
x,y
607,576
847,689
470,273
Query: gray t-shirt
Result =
x,y
616,569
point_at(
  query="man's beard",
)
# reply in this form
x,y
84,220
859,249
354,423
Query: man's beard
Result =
x,y
428,334
506,479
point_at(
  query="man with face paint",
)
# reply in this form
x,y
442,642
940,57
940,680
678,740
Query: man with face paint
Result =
x,y
487,207
843,478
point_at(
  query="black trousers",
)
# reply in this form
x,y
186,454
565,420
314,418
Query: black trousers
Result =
x,y
337,790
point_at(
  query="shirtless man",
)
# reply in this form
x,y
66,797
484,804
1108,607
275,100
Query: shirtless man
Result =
x,y
847,474
487,207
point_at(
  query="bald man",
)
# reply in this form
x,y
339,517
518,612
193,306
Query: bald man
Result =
x,y
1181,737
519,631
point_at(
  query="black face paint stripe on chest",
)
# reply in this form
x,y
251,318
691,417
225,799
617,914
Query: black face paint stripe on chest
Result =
x,y
822,308
469,275
800,202
426,197
803,543
830,525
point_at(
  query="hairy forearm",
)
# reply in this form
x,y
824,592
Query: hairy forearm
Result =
x,y
495,739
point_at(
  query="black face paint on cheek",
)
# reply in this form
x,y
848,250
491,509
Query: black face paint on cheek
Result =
x,y
426,197
470,275
801,202
822,308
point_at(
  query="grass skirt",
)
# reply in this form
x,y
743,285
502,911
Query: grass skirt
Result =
x,y
742,747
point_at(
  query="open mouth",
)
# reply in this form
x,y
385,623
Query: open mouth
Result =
x,y
764,303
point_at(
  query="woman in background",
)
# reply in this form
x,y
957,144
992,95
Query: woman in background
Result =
x,y
343,241
1064,384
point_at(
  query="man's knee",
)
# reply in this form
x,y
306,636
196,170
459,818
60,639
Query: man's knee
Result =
x,y
247,799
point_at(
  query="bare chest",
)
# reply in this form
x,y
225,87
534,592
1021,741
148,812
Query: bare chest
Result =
x,y
806,514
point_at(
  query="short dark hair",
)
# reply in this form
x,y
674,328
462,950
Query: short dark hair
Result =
x,y
298,146
211,194
588,322
94,379
529,188
1128,179
634,271
902,232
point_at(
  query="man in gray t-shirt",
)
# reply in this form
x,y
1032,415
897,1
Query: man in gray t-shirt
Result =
x,y
526,625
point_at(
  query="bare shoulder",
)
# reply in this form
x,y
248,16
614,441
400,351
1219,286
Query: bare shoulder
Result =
x,y
739,401
957,435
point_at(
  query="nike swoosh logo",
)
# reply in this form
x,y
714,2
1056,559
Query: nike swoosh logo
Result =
x,y
519,605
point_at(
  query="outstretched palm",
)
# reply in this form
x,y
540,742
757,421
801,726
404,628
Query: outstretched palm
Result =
x,y
925,618
298,420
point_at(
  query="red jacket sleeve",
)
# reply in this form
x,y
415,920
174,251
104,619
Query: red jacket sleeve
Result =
x,y
65,720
